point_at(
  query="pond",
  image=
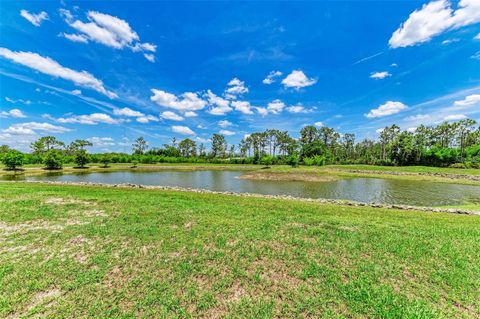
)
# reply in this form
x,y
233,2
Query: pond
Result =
x,y
378,190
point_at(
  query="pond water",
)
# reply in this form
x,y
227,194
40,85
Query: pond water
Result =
x,y
378,190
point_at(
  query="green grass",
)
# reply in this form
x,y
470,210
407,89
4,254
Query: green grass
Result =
x,y
70,251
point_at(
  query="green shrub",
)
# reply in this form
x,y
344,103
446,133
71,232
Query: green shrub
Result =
x,y
105,160
81,158
13,159
266,160
53,159
308,161
293,160
319,160
457,165
134,164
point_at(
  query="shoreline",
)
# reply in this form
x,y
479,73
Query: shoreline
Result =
x,y
339,202
254,172
432,174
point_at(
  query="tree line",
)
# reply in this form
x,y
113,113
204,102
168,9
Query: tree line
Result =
x,y
447,144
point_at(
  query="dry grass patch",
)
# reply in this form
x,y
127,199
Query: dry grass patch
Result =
x,y
44,299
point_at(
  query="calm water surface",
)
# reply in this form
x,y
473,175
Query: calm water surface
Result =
x,y
359,189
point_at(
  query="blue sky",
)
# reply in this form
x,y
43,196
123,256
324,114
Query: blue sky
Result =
x,y
112,71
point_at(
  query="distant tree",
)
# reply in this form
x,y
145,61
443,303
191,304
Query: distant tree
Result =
x,y
140,146
314,148
187,147
45,144
387,135
219,145
283,141
81,158
169,151
105,160
78,145
445,133
259,142
53,159
348,143
272,137
201,150
244,147
308,134
329,137
404,150
4,149
13,159
464,129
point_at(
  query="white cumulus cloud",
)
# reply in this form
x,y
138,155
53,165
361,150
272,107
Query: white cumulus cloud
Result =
x,y
190,114
51,67
227,132
147,119
140,117
184,130
243,107
127,112
34,18
90,119
220,106
261,110
188,101
454,117
296,109
31,128
433,19
108,30
380,75
297,79
224,123
468,101
235,88
74,37
276,106
272,77
168,115
386,109
150,57
15,113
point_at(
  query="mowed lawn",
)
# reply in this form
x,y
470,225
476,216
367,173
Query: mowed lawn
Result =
x,y
77,252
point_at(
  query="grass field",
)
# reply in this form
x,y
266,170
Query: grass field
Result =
x,y
73,252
